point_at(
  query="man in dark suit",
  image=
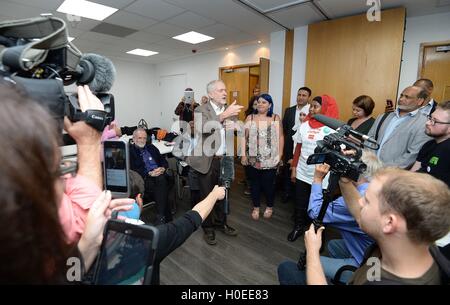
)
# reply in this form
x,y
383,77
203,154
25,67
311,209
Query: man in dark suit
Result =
x,y
151,165
211,120
291,121
430,104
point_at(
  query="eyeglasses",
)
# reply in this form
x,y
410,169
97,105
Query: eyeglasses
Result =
x,y
434,122
68,167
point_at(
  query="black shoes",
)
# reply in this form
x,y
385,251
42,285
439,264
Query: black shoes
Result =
x,y
227,230
210,237
296,233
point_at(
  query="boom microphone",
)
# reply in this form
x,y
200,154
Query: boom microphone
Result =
x,y
337,124
98,72
330,122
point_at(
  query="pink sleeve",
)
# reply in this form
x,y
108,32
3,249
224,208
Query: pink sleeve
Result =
x,y
108,134
79,195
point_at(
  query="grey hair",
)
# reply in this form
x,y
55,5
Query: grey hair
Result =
x,y
372,162
135,132
212,85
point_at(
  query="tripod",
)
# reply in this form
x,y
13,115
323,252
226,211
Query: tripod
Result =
x,y
318,222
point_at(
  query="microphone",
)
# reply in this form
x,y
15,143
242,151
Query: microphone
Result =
x,y
226,176
98,72
337,124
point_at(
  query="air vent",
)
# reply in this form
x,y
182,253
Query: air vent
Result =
x,y
113,30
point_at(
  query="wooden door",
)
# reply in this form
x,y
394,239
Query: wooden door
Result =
x,y
237,81
435,65
351,56
264,65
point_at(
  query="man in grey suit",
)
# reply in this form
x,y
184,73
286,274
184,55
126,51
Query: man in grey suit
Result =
x,y
210,122
402,132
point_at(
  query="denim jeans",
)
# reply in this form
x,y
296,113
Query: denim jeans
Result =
x,y
289,274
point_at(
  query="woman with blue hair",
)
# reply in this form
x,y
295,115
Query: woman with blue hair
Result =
x,y
262,149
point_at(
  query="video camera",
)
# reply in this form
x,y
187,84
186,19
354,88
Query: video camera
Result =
x,y
329,150
39,59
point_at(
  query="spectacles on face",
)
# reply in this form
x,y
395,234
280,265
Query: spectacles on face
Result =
x,y
434,122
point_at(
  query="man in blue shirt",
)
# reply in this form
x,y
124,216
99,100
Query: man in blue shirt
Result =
x,y
346,251
151,165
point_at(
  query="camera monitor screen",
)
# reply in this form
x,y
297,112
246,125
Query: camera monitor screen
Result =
x,y
126,256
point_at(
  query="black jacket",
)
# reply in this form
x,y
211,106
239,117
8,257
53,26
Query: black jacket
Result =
x,y
288,123
137,163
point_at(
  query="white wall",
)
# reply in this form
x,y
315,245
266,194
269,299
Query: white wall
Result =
x,y
299,61
421,29
202,68
276,73
134,91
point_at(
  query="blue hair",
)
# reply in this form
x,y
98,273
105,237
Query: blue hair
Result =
x,y
268,98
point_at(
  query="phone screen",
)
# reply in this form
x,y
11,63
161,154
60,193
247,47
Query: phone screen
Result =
x,y
189,96
116,170
124,258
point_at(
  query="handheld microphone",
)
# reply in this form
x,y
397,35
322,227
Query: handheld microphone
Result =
x,y
337,124
226,176
226,203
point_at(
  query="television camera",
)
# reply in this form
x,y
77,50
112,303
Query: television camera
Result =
x,y
38,58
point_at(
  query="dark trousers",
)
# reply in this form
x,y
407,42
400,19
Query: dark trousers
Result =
x,y
302,193
262,181
247,174
287,185
206,182
158,189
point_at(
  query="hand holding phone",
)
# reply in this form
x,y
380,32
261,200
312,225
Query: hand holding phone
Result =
x,y
127,254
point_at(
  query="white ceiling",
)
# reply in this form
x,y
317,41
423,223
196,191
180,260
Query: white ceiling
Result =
x,y
231,22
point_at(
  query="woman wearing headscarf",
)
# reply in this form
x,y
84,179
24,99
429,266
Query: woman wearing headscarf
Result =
x,y
305,140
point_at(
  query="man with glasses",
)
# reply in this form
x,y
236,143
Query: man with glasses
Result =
x,y
434,156
400,134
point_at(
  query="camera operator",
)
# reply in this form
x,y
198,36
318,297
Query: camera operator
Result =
x,y
34,243
185,110
405,213
82,190
351,248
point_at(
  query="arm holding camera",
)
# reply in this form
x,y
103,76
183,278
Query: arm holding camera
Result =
x,y
81,191
87,138
351,197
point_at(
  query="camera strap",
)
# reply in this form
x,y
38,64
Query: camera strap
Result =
x,y
43,33
95,118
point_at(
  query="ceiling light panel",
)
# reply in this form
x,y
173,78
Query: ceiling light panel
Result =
x,y
193,37
142,52
86,9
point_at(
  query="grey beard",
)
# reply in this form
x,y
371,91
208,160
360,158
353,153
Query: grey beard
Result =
x,y
140,145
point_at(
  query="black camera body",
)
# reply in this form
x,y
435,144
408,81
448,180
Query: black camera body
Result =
x,y
39,60
329,150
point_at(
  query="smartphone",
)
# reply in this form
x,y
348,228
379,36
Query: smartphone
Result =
x,y
318,158
116,168
389,103
189,96
127,254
